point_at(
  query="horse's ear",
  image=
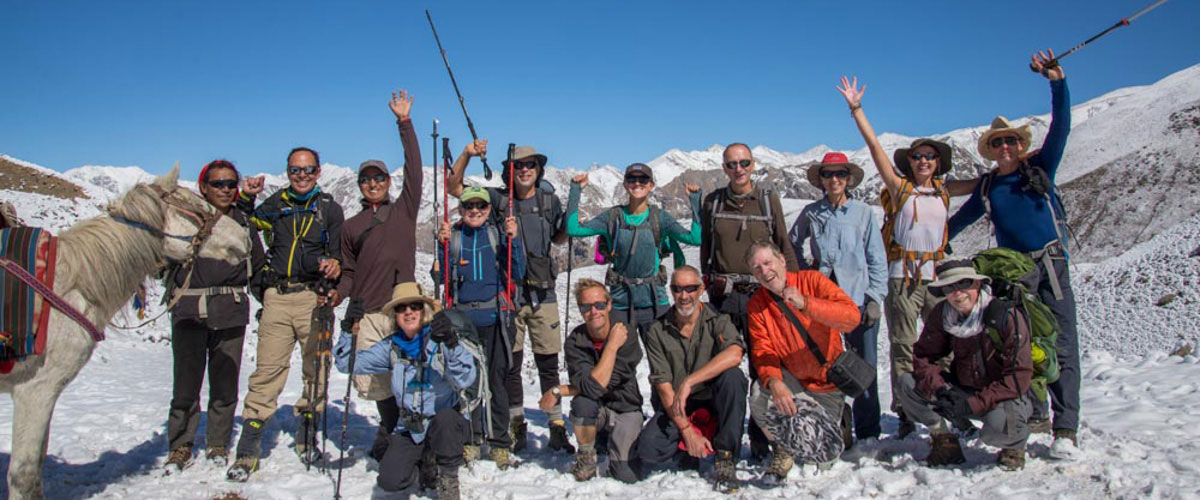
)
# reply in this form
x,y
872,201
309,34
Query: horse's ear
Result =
x,y
170,179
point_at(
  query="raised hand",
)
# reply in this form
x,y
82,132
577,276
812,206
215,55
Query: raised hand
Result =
x,y
617,335
253,185
692,188
581,179
478,147
1040,62
853,94
401,104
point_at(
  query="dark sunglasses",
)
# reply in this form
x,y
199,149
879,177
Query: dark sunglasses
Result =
x,y
586,308
840,174
378,178
525,165
475,205
637,179
998,141
223,184
738,163
926,156
944,290
684,288
307,170
411,306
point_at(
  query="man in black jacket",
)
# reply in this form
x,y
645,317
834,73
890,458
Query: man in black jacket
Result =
x,y
602,361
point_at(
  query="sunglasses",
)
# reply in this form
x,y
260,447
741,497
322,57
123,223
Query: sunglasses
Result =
x,y
685,288
996,142
223,184
731,165
411,306
524,165
586,308
926,156
840,174
309,170
944,290
378,178
637,179
475,205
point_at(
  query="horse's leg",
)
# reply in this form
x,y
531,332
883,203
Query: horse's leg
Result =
x,y
33,405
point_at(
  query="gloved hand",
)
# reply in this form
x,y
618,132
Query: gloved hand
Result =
x,y
871,313
354,312
952,404
443,331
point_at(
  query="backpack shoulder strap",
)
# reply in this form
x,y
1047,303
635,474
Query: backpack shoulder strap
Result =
x,y
494,240
764,204
985,192
940,186
655,220
378,219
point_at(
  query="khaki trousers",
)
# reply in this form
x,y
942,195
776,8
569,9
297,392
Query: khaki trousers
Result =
x,y
286,321
904,304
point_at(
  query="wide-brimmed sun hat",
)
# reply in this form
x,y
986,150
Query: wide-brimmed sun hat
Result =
x,y
835,159
1001,126
954,271
900,157
409,292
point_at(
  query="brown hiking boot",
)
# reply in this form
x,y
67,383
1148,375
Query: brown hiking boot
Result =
x,y
781,464
502,457
179,459
470,453
584,467
725,473
1038,425
1011,459
447,483
217,455
944,449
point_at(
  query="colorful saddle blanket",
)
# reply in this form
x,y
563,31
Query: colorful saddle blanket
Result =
x,y
24,313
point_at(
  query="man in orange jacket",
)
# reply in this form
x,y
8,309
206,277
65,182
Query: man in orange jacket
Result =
x,y
791,381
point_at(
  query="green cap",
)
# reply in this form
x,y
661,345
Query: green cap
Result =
x,y
473,193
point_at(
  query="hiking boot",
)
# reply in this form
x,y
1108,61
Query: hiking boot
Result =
x,y
502,457
559,439
1011,459
847,427
584,467
242,468
519,430
470,453
1066,445
759,450
906,427
429,469
944,449
447,483
179,458
725,473
248,449
781,464
1038,425
217,455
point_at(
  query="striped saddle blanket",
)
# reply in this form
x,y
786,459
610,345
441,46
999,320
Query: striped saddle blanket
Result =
x,y
24,313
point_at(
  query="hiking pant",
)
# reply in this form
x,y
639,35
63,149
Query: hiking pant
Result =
x,y
658,442
832,402
734,305
864,341
389,416
1005,426
622,428
194,347
1064,393
542,324
286,321
401,465
903,306
497,371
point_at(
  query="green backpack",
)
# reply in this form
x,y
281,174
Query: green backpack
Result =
x,y
1014,275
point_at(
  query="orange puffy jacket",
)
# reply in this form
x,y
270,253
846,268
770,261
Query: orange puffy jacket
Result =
x,y
774,342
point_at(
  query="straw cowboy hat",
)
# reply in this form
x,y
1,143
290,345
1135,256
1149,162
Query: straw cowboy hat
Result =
x,y
900,157
953,271
835,159
409,292
1001,126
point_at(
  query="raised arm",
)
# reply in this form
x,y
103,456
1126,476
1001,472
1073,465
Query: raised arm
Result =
x,y
1060,112
414,175
849,89
454,180
593,227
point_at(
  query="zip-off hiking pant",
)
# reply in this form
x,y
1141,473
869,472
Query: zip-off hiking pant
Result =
x,y
542,324
1005,426
1064,393
400,466
286,321
865,409
194,347
658,442
903,306
622,429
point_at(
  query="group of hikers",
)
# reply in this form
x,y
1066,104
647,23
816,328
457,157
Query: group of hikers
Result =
x,y
444,370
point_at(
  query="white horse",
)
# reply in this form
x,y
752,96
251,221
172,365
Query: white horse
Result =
x,y
100,263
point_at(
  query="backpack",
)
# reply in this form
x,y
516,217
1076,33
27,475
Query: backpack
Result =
x,y
479,393
1014,275
1036,181
764,206
891,212
456,256
539,271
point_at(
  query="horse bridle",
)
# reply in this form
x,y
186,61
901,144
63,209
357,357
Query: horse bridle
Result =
x,y
204,221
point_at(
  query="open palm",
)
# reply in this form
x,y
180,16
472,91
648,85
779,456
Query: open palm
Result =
x,y
850,90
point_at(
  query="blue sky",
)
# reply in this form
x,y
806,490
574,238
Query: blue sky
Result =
x,y
150,83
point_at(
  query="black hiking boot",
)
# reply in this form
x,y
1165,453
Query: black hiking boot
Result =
x,y
306,438
447,483
944,449
519,430
847,427
906,427
584,467
559,439
429,469
248,449
1011,459
725,473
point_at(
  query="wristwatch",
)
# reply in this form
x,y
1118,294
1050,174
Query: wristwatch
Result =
x,y
556,391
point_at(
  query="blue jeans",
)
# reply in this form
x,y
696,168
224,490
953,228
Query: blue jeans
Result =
x,y
864,341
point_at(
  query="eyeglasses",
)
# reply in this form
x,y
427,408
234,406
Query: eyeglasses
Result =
x,y
944,290
731,165
840,174
309,170
410,306
475,205
586,308
378,178
684,288
1011,140
637,179
927,156
525,165
223,184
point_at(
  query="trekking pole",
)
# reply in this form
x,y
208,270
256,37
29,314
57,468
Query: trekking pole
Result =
x,y
512,148
448,300
325,355
436,292
1123,22
570,264
487,171
337,488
